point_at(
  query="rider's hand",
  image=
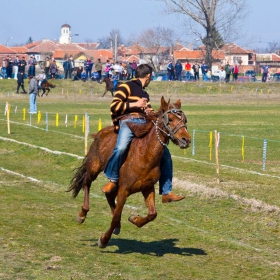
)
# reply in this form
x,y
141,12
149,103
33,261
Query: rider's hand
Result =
x,y
141,103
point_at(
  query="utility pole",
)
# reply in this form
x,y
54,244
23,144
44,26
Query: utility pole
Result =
x,y
116,47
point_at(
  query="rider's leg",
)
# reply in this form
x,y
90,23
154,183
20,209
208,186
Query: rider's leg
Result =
x,y
115,161
165,180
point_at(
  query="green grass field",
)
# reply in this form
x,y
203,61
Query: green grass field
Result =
x,y
228,230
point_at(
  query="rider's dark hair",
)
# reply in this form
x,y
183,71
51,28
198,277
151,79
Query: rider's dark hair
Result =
x,y
143,70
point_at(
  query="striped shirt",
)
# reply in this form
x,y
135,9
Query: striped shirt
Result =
x,y
126,94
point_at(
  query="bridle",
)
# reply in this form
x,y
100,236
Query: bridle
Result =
x,y
166,129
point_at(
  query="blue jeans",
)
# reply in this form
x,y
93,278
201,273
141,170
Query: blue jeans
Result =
x,y
115,161
133,73
115,84
32,103
204,76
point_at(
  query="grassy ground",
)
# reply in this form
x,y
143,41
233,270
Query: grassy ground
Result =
x,y
220,231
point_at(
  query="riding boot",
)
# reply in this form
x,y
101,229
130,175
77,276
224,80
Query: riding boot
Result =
x,y
171,197
109,187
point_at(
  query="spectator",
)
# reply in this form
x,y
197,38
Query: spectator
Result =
x,y
111,70
228,71
77,74
170,71
188,70
222,75
122,71
66,67
133,66
33,90
53,69
107,68
21,65
98,69
129,71
71,66
4,68
20,81
178,70
16,62
31,62
84,76
10,68
196,71
88,64
46,66
117,69
115,79
204,70
235,71
265,73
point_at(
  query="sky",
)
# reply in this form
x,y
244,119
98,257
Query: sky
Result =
x,y
94,19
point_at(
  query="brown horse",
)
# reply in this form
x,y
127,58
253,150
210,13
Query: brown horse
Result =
x,y
45,87
109,85
141,169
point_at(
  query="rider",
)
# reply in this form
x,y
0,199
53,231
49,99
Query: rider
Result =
x,y
41,78
130,104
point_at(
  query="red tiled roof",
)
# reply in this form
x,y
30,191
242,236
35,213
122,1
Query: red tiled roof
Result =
x,y
233,49
6,50
275,57
197,54
20,49
31,45
89,46
104,55
43,46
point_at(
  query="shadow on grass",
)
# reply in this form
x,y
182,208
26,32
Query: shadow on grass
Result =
x,y
154,248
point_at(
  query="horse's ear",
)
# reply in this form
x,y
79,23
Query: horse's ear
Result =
x,y
178,104
163,104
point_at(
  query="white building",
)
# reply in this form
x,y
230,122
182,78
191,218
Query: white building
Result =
x,y
65,36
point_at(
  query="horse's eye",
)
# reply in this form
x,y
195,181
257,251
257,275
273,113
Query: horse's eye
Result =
x,y
170,120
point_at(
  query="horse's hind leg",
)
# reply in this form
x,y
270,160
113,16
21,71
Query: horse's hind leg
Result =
x,y
104,93
149,196
48,90
115,223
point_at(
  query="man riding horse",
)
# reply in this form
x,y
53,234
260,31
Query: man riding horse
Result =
x,y
131,104
41,78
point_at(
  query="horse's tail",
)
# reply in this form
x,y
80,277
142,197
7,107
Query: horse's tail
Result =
x,y
77,182
51,85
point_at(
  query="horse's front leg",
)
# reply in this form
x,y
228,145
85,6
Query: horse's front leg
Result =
x,y
149,196
111,201
85,207
116,220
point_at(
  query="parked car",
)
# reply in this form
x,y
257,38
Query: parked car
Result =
x,y
276,77
187,76
251,74
160,76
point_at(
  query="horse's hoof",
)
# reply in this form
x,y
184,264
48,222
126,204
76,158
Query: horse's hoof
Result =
x,y
100,245
79,219
117,231
131,219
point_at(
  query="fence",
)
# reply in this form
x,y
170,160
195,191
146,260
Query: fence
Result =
x,y
250,153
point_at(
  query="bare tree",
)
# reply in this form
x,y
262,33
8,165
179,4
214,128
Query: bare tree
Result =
x,y
273,47
107,42
205,17
158,45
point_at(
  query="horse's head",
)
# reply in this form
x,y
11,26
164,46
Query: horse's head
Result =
x,y
174,123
